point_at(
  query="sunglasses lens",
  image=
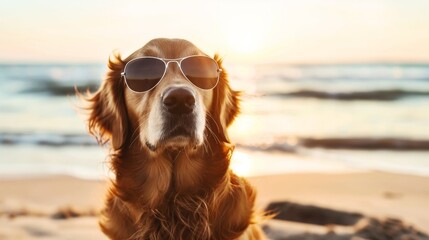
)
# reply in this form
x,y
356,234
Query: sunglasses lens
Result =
x,y
144,73
201,71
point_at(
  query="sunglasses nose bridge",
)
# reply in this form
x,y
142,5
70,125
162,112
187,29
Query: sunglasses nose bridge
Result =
x,y
168,62
178,65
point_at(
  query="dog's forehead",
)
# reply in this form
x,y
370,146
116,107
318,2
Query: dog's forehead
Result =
x,y
168,48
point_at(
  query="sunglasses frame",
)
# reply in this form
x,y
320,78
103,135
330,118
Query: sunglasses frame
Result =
x,y
167,61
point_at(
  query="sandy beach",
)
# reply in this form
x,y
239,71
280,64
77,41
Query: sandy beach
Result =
x,y
62,207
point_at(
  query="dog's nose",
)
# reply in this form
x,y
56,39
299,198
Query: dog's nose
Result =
x,y
179,100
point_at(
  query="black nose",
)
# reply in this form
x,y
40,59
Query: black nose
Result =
x,y
178,100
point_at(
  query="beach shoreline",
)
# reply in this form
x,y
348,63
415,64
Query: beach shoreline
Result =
x,y
31,207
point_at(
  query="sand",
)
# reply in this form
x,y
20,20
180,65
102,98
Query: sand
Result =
x,y
376,194
34,208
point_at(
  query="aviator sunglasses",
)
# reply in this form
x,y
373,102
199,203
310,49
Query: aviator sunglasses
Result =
x,y
144,73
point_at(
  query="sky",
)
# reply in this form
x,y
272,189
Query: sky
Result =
x,y
252,31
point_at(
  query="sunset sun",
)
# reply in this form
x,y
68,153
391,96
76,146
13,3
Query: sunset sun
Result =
x,y
246,32
242,38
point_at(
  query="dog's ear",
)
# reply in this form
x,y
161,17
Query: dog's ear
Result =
x,y
225,105
108,119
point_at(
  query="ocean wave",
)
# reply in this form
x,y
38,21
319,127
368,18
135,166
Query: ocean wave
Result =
x,y
347,78
394,144
347,72
51,72
46,139
366,143
58,89
379,95
272,147
286,145
50,79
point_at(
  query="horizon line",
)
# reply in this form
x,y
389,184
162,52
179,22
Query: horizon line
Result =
x,y
291,63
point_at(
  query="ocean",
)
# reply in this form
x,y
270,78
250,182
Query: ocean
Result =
x,y
295,118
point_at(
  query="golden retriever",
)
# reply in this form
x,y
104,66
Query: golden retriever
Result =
x,y
172,170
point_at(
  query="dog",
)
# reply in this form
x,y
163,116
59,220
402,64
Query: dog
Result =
x,y
169,147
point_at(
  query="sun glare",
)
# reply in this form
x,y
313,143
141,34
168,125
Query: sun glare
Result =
x,y
245,31
241,164
242,39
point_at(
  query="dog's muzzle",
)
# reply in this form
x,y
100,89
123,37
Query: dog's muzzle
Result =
x,y
179,115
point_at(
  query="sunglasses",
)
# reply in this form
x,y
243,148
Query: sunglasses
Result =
x,y
144,73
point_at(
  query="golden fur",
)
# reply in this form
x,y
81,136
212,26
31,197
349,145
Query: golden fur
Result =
x,y
156,195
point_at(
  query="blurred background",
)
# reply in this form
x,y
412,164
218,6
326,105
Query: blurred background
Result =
x,y
335,110
343,85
